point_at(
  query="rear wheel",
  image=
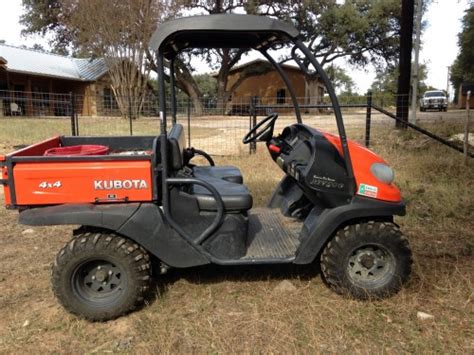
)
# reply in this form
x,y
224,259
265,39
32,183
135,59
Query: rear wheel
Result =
x,y
367,260
100,276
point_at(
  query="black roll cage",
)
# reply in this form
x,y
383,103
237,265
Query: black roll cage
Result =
x,y
227,31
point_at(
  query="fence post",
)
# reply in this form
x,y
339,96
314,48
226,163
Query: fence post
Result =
x,y
73,115
466,128
130,114
189,121
253,123
368,117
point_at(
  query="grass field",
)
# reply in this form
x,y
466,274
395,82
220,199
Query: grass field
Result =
x,y
222,310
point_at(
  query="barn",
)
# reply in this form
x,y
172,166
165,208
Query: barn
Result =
x,y
268,88
35,83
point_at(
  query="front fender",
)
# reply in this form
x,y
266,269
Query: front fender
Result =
x,y
320,226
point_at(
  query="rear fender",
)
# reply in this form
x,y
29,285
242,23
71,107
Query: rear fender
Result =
x,y
141,222
320,225
110,216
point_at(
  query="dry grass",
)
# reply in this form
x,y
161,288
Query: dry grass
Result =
x,y
217,309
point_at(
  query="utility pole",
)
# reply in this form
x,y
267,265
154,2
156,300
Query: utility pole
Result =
x,y
406,44
414,79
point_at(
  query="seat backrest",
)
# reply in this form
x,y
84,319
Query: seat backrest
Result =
x,y
177,142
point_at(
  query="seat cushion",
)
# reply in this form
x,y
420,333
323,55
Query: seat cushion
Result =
x,y
236,197
228,173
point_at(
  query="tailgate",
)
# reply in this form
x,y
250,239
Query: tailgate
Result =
x,y
4,180
6,166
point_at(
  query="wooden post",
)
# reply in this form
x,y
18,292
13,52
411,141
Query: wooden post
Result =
x,y
406,43
29,98
52,98
368,117
72,103
466,129
130,114
253,123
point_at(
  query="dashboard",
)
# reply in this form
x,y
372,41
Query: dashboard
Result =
x,y
312,161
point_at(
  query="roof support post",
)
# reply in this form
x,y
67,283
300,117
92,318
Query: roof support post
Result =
x,y
161,91
163,137
335,104
173,92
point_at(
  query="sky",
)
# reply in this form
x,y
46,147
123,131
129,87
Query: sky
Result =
x,y
439,40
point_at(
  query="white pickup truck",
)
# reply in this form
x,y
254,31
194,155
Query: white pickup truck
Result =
x,y
434,100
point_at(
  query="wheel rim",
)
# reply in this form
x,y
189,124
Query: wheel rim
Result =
x,y
371,266
98,282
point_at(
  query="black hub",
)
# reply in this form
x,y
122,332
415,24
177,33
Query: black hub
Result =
x,y
98,281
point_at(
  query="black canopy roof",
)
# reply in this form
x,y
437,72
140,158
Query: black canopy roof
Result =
x,y
220,31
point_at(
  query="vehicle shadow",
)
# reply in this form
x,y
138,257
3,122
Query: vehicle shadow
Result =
x,y
214,274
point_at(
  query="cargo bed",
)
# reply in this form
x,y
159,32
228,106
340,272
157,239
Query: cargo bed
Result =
x,y
125,174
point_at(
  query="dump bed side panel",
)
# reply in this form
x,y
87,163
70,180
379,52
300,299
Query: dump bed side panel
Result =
x,y
49,183
37,149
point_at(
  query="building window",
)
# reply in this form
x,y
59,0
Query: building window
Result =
x,y
109,100
281,94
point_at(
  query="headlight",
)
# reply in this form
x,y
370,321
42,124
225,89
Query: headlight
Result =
x,y
382,172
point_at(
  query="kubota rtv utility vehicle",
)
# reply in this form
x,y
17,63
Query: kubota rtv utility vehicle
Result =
x,y
335,203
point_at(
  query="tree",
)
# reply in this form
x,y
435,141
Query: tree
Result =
x,y
118,31
361,31
222,59
207,84
341,81
384,86
46,17
462,70
36,47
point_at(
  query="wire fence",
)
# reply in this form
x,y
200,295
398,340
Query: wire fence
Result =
x,y
211,124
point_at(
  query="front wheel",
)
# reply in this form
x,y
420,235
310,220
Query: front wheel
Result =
x,y
100,276
367,260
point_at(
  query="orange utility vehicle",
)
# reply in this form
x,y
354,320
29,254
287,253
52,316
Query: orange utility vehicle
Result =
x,y
143,199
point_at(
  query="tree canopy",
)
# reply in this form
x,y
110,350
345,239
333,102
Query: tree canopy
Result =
x,y
462,69
384,86
361,31
342,82
47,17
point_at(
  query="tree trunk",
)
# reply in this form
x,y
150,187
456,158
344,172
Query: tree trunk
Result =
x,y
222,79
222,94
186,82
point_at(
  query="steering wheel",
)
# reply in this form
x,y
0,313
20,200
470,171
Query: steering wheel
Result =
x,y
255,134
